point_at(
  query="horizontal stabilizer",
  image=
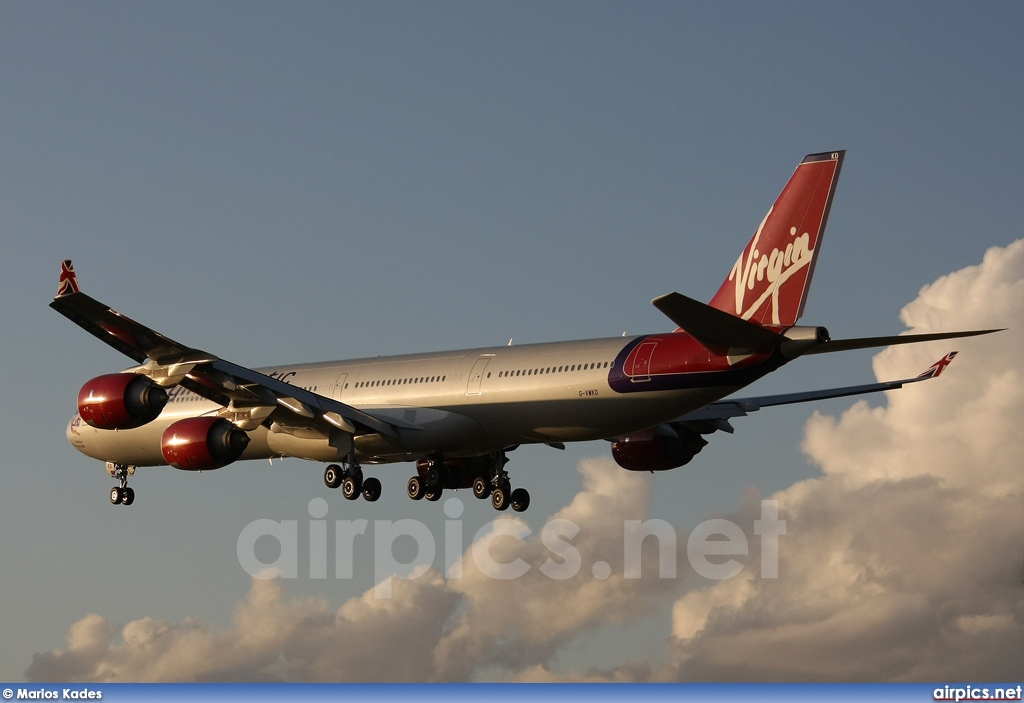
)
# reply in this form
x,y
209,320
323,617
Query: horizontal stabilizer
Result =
x,y
836,345
717,331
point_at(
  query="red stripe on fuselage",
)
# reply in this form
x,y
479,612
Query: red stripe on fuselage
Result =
x,y
676,361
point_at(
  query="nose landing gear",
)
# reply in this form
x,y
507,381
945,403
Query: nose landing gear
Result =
x,y
121,494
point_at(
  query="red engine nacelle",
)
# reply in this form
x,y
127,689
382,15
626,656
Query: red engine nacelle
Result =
x,y
120,401
202,443
647,451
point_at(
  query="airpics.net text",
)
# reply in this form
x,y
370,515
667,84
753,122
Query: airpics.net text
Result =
x,y
709,547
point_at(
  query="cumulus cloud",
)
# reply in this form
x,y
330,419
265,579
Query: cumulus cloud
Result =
x,y
521,622
273,637
901,562
431,628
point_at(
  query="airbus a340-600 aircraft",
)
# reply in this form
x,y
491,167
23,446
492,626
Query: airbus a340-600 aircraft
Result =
x,y
458,414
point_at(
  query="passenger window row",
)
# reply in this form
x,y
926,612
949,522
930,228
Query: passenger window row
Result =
x,y
400,381
567,368
552,369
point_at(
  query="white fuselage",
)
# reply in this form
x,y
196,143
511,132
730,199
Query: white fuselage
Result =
x,y
460,403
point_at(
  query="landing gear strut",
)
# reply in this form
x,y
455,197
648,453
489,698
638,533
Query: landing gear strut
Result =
x,y
121,493
350,477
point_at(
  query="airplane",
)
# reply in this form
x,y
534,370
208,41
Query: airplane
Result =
x,y
458,414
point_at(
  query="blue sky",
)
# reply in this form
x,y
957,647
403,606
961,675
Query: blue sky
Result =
x,y
307,181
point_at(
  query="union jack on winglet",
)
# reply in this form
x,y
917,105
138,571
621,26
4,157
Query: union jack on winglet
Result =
x,y
68,280
939,366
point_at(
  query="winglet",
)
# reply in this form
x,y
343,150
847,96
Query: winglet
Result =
x,y
938,367
68,279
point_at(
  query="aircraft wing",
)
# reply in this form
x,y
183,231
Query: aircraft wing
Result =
x,y
715,416
248,397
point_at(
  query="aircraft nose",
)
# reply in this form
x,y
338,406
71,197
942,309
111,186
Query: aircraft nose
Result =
x,y
73,434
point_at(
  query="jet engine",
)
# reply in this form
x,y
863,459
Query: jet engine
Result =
x,y
202,443
649,451
120,401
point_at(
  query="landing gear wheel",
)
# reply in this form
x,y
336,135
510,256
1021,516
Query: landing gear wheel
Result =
x,y
416,488
371,489
433,476
116,495
481,488
499,498
128,496
351,487
520,499
433,494
332,476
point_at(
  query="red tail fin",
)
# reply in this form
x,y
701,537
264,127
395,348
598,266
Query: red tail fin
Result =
x,y
768,284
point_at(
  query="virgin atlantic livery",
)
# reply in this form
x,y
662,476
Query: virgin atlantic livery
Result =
x,y
457,414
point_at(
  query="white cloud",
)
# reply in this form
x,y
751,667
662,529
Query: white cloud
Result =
x,y
430,628
902,562
273,637
522,622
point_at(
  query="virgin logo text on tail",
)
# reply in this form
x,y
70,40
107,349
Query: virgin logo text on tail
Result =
x,y
777,266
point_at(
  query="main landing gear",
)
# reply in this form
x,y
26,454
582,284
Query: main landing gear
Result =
x,y
501,492
121,494
430,479
350,477
486,475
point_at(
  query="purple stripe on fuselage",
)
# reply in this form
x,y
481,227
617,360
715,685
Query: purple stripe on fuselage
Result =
x,y
651,363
